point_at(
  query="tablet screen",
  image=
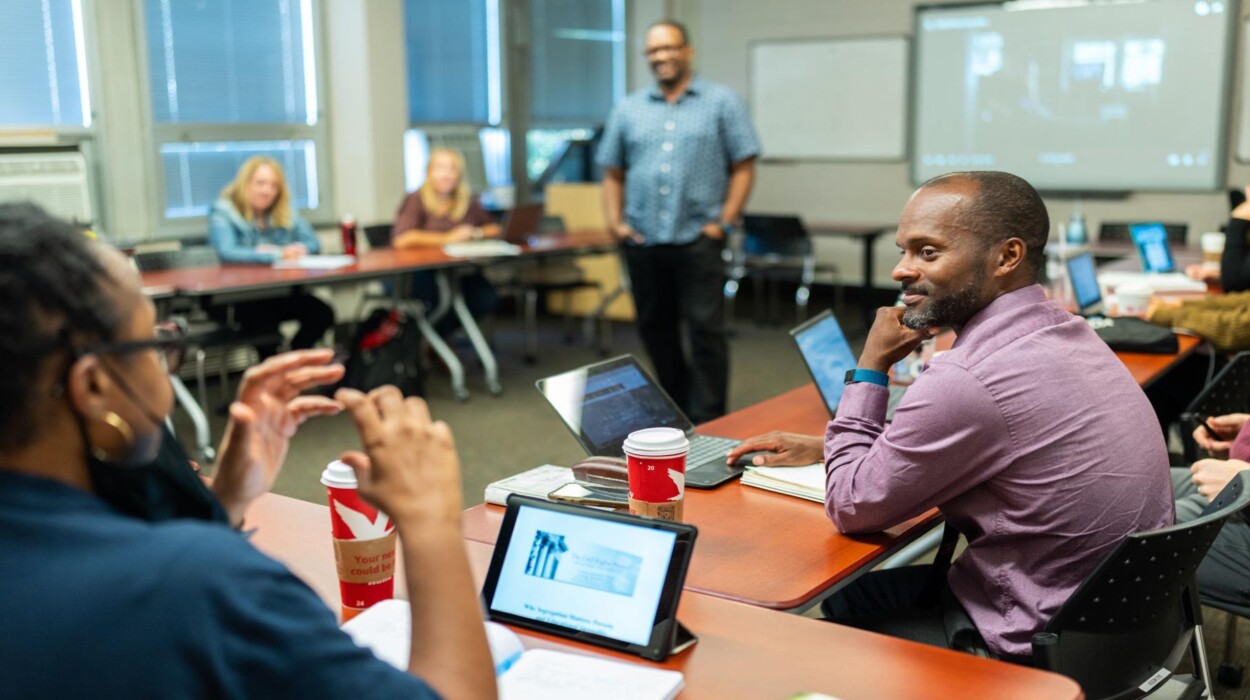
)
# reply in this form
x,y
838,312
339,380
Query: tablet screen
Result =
x,y
586,574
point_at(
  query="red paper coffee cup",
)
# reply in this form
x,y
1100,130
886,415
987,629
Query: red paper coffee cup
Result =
x,y
364,543
657,472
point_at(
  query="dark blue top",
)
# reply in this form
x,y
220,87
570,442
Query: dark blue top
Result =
x,y
676,157
98,604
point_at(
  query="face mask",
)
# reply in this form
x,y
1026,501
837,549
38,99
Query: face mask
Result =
x,y
155,480
164,488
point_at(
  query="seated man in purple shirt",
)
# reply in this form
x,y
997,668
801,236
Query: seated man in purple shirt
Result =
x,y
1026,434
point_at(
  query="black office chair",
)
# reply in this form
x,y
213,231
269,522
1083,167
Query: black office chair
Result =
x,y
1109,231
201,333
773,249
1125,629
1228,392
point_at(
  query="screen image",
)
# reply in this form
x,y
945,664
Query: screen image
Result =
x,y
583,573
1084,281
829,356
1152,245
607,404
1074,95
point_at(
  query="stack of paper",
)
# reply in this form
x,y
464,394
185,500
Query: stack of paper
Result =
x,y
537,482
316,262
481,249
802,482
542,674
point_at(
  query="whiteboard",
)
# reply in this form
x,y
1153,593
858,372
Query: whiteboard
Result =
x,y
831,99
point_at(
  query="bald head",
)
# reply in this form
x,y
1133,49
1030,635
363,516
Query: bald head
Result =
x,y
999,206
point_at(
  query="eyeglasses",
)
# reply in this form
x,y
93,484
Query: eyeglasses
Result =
x,y
654,51
170,343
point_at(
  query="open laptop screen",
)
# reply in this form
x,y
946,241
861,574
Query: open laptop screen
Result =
x,y
827,354
1084,283
603,403
1152,247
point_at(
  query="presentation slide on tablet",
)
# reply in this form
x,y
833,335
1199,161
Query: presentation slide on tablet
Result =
x,y
591,575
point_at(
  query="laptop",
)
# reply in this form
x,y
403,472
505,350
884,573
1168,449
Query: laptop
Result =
x,y
602,403
828,356
1084,279
593,576
522,223
1151,242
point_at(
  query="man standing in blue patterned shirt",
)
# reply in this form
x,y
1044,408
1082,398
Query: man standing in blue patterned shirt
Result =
x,y
679,160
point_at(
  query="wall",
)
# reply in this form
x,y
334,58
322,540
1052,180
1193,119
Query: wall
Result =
x,y
872,193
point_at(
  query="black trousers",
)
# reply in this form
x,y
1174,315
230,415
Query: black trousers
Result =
x,y
676,285
315,318
891,602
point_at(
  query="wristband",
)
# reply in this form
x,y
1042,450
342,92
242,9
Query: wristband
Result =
x,y
871,376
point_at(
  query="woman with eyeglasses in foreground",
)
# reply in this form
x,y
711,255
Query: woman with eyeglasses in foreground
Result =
x,y
104,593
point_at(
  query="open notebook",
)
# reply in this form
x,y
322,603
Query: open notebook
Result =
x,y
801,482
542,674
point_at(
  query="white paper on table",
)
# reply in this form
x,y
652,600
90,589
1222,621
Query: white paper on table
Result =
x,y
481,249
543,674
316,262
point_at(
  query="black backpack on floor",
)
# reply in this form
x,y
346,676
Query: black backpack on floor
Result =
x,y
386,349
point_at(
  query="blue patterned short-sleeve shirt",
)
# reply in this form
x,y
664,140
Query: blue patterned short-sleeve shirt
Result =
x,y
676,157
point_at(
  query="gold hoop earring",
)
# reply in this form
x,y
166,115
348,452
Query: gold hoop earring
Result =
x,y
119,424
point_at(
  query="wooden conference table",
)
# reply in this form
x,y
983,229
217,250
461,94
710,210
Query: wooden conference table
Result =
x,y
242,280
776,551
743,651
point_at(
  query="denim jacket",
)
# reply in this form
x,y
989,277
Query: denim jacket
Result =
x,y
236,239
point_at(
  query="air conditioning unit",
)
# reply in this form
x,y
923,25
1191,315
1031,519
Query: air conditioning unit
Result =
x,y
55,181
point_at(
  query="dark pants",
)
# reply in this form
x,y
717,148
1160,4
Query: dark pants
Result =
x,y
1224,574
892,602
315,318
676,284
479,296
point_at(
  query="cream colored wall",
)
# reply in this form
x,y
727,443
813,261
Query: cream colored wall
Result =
x,y
875,192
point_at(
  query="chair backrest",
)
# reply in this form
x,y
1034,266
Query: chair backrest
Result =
x,y
1119,231
1228,392
1136,612
551,224
378,235
777,236
191,256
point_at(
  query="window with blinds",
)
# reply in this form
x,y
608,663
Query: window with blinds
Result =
x,y
453,65
231,79
577,61
43,76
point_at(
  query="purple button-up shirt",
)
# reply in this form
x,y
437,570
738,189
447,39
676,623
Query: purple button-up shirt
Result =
x,y
1033,440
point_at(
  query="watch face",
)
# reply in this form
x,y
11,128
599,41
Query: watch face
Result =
x,y
850,376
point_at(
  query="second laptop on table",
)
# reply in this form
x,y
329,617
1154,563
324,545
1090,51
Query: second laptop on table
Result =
x,y
604,402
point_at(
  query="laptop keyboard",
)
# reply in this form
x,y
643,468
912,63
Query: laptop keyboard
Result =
x,y
708,448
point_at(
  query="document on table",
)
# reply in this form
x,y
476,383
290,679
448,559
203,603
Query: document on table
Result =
x,y
801,482
537,673
316,262
481,249
537,482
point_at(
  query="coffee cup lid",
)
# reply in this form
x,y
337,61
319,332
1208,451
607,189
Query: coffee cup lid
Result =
x,y
339,475
655,442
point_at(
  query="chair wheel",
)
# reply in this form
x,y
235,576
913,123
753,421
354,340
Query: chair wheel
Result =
x,y
1229,676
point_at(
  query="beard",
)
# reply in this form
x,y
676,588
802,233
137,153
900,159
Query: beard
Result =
x,y
952,309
